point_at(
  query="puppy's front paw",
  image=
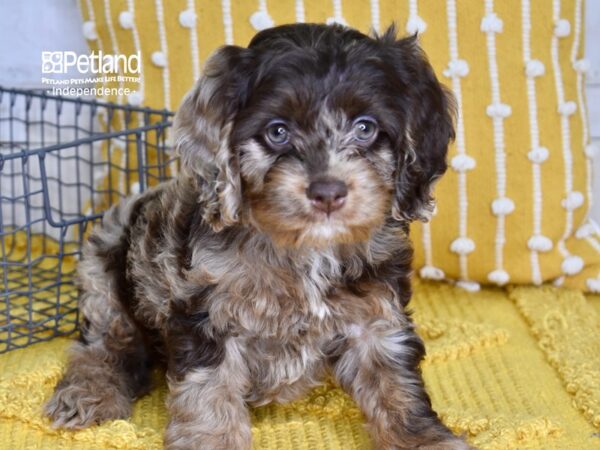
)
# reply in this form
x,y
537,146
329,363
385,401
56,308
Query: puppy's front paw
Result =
x,y
190,436
453,443
436,437
77,406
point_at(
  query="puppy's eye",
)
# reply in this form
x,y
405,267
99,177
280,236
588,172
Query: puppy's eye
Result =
x,y
278,134
365,129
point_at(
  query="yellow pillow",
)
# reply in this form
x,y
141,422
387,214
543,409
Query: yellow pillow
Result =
x,y
514,206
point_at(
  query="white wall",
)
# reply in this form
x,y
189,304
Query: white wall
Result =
x,y
593,89
28,27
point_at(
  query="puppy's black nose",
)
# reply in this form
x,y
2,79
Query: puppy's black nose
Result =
x,y
327,195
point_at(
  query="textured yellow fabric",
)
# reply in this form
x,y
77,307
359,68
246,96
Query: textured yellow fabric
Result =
x,y
509,370
484,62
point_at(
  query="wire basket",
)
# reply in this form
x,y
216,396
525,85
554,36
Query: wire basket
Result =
x,y
63,162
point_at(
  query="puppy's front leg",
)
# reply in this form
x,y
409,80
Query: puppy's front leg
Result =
x,y
206,402
378,364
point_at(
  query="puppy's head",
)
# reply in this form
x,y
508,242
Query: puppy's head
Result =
x,y
316,134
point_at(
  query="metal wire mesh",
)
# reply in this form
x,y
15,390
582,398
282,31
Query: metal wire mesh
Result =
x,y
63,162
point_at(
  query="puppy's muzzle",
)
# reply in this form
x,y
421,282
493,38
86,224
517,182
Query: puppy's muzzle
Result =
x,y
327,195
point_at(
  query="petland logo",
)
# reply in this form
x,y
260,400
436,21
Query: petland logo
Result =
x,y
95,75
94,63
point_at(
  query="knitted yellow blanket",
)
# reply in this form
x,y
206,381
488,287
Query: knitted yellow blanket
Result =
x,y
509,369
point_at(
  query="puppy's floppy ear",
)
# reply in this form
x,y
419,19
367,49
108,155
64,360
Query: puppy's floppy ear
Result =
x,y
428,129
203,127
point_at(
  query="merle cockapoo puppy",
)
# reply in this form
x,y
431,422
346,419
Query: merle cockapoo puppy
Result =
x,y
280,254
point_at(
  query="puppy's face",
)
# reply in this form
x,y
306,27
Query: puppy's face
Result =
x,y
315,160
319,134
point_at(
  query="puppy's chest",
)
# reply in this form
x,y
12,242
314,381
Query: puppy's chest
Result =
x,y
283,370
276,300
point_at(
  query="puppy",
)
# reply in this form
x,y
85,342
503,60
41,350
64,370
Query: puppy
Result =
x,y
280,254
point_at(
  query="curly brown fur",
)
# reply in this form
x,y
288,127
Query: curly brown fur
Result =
x,y
270,262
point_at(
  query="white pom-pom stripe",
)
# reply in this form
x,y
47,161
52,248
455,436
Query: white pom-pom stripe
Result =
x,y
428,268
499,277
562,28
540,243
158,59
591,151
462,163
135,98
491,23
457,68
534,68
336,20
584,231
593,285
572,265
161,58
375,15
567,108
91,18
558,282
300,16
126,20
573,200
89,30
581,65
261,20
108,19
538,155
469,286
187,18
100,175
499,110
462,246
338,16
432,273
502,206
415,24
227,21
